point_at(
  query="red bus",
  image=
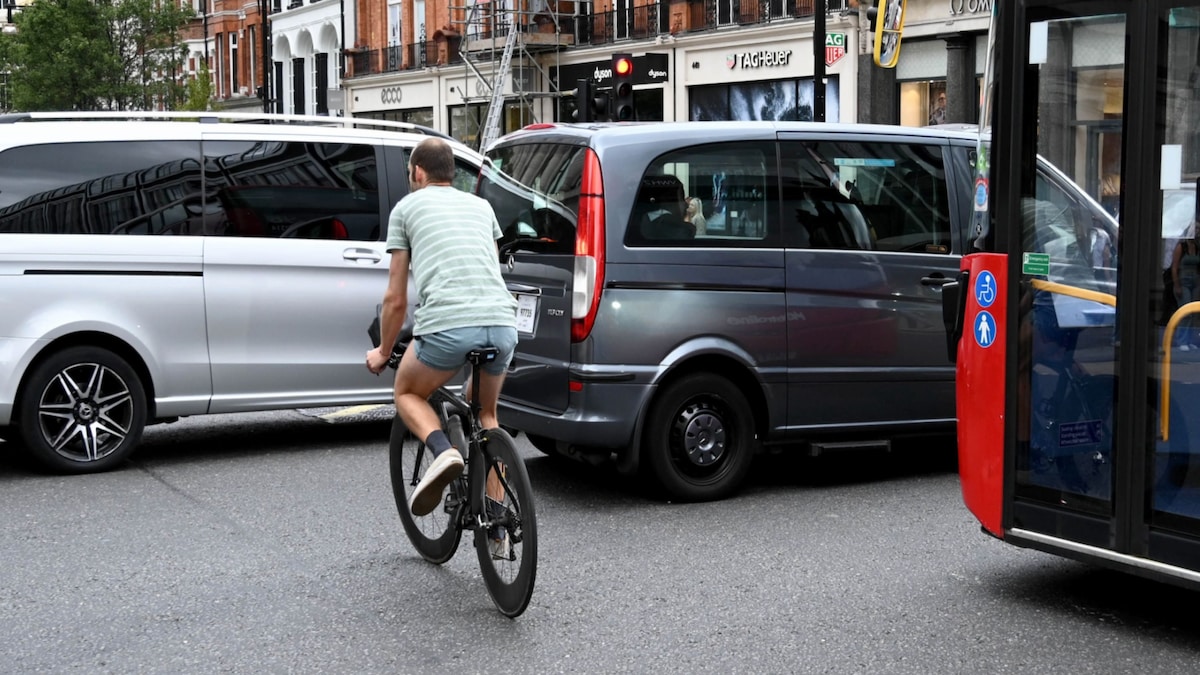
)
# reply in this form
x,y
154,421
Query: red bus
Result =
x,y
1077,344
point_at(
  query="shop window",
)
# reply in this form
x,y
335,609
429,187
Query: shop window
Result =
x,y
780,100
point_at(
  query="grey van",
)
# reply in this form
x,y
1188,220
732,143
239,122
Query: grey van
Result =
x,y
805,310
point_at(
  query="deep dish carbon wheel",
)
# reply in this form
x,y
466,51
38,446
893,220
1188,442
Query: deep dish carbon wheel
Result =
x,y
436,534
699,437
82,410
509,570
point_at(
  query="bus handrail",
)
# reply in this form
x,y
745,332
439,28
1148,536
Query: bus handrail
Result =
x,y
1075,292
1165,376
1164,416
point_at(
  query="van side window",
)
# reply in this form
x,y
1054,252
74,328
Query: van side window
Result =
x,y
293,189
126,187
534,190
465,176
731,188
1071,231
866,196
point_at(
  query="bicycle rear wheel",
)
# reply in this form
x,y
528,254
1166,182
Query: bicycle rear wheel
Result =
x,y
436,535
509,578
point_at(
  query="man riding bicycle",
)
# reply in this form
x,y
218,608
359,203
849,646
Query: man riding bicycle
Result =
x,y
449,239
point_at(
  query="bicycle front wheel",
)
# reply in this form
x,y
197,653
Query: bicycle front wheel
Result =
x,y
507,541
436,535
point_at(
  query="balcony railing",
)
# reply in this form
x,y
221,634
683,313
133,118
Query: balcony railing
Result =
x,y
651,20
639,22
400,58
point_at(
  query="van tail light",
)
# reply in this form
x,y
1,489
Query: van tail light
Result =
x,y
339,230
589,250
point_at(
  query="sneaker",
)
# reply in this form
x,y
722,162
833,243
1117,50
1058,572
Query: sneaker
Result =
x,y
1185,348
498,543
445,468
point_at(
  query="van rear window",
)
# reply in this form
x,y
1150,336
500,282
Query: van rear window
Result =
x,y
534,190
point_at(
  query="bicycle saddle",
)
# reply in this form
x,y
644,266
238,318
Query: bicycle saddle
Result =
x,y
482,355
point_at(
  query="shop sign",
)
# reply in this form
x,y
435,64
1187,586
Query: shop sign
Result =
x,y
522,79
648,68
765,58
970,6
390,95
835,47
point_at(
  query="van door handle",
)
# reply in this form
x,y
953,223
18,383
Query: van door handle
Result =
x,y
362,255
937,280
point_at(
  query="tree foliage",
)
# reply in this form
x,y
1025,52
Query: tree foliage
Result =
x,y
199,90
96,55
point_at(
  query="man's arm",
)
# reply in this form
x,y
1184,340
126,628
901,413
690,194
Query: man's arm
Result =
x,y
391,316
395,299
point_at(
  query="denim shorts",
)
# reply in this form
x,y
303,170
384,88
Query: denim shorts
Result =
x,y
447,350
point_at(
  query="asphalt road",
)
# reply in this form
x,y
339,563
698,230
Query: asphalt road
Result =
x,y
270,544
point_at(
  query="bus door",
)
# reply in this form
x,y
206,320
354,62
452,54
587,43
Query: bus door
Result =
x,y
1100,312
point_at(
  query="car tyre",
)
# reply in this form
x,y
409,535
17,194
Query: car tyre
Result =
x,y
82,410
699,437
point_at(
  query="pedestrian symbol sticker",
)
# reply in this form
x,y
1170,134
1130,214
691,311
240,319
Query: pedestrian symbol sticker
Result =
x,y
985,289
985,329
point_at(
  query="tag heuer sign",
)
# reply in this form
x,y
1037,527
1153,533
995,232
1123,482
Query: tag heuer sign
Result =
x,y
835,47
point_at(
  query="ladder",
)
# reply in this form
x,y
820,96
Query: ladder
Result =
x,y
491,127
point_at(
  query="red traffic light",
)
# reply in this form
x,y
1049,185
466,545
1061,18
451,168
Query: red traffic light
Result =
x,y
622,66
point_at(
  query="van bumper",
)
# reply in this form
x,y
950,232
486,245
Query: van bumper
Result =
x,y
603,415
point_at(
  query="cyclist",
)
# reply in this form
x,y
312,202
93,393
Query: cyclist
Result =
x,y
449,238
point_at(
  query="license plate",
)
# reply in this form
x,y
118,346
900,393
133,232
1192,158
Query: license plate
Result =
x,y
526,312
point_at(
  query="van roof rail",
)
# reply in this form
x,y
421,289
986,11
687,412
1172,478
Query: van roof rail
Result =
x,y
213,116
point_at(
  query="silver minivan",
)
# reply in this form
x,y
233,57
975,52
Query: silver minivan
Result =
x,y
155,269
805,309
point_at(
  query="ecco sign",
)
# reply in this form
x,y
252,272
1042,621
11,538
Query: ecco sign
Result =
x,y
390,95
969,6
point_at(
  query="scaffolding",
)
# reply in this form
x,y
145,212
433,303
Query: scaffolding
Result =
x,y
494,33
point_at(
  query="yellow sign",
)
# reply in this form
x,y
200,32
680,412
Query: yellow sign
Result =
x,y
887,33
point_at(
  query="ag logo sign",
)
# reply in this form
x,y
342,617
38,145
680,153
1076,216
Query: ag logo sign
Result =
x,y
835,47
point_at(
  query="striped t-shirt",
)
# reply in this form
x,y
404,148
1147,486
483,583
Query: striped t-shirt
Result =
x,y
451,238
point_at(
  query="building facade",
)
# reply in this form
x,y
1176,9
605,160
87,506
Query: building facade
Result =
x,y
695,60
232,37
436,63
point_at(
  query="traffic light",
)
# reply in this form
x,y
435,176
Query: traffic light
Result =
x,y
622,91
590,105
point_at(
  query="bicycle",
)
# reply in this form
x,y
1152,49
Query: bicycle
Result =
x,y
493,496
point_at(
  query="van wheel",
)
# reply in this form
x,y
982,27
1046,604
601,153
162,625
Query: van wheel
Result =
x,y
82,411
700,438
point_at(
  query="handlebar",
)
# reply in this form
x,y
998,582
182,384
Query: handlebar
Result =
x,y
402,341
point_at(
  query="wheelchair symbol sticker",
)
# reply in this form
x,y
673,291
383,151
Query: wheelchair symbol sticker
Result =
x,y
985,329
985,289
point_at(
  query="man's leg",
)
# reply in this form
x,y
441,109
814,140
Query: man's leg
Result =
x,y
489,395
415,381
489,398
